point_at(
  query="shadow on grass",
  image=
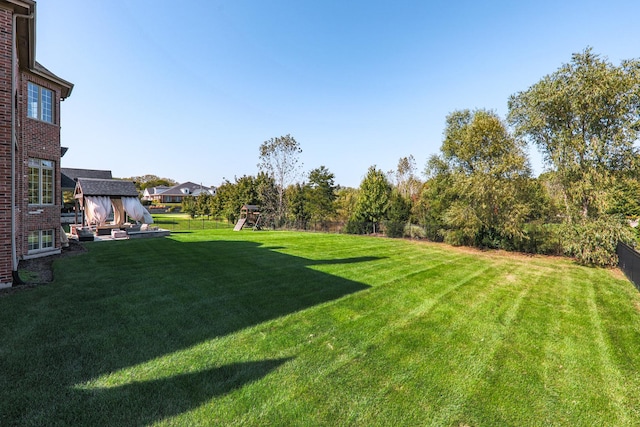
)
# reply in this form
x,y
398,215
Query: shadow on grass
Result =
x,y
141,403
128,303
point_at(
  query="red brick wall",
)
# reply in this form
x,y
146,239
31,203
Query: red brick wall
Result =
x,y
35,139
40,140
5,146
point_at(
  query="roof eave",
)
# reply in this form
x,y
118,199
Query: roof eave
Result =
x,y
28,8
66,86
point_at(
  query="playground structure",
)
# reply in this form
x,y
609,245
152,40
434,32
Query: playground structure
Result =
x,y
249,217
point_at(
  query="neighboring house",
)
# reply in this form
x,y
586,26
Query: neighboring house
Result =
x,y
30,186
176,193
150,193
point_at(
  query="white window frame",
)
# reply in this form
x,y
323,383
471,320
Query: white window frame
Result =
x,y
41,241
44,195
40,103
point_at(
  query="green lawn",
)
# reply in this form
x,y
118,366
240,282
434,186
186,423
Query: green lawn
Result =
x,y
183,222
213,327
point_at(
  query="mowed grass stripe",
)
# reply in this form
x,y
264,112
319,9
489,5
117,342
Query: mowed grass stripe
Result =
x,y
548,361
352,355
359,369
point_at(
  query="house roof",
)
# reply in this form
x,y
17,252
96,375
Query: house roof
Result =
x,y
68,176
42,71
155,190
105,187
177,190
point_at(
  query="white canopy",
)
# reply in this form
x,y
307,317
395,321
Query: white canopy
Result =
x,y
135,210
97,209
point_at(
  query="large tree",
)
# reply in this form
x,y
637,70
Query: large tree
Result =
x,y
373,197
149,181
488,174
406,180
584,118
280,159
321,194
230,196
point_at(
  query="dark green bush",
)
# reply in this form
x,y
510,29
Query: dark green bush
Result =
x,y
358,227
394,228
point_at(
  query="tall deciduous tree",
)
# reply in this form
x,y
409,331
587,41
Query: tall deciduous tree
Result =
x,y
488,172
280,158
584,118
406,180
346,200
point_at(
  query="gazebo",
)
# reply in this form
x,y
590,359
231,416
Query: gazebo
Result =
x,y
97,198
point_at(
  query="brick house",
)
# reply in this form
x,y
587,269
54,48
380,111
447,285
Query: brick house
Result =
x,y
30,188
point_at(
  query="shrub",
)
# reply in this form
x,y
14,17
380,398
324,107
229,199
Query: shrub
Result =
x,y
539,238
358,227
414,231
394,228
594,242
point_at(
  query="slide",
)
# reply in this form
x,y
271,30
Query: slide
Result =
x,y
240,224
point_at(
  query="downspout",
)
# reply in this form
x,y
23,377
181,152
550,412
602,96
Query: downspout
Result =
x,y
14,144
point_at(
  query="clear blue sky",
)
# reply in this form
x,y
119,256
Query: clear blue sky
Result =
x,y
189,90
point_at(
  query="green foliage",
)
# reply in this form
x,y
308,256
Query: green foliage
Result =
x,y
355,226
585,119
267,199
148,181
345,203
321,194
479,191
297,199
373,198
406,181
539,238
397,215
435,198
232,195
189,206
203,204
594,242
394,228
625,197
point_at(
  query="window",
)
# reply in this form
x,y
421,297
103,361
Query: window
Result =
x,y
40,103
41,182
40,240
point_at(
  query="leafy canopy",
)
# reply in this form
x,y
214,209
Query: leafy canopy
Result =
x,y
584,118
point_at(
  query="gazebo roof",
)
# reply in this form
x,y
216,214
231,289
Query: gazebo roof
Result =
x,y
105,187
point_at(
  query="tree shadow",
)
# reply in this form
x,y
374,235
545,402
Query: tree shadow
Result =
x,y
142,403
126,303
